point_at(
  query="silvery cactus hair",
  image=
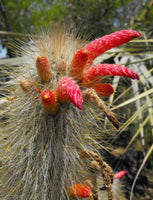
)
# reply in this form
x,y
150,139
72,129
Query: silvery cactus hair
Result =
x,y
53,120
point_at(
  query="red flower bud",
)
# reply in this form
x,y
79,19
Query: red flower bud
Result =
x,y
103,89
67,90
49,102
79,190
119,175
43,68
78,63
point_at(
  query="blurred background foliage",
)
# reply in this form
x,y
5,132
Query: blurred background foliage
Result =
x,y
96,16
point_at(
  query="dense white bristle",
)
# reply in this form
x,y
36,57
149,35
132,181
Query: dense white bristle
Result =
x,y
43,160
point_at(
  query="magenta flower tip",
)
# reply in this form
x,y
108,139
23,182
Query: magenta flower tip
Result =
x,y
102,44
107,70
120,174
68,90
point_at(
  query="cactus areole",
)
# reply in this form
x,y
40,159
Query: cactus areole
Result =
x,y
57,115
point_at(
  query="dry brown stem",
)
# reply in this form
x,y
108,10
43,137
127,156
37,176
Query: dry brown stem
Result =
x,y
90,94
104,169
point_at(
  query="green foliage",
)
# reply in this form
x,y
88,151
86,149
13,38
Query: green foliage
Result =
x,y
95,16
22,16
145,18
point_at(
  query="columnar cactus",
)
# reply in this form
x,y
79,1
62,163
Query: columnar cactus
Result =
x,y
51,128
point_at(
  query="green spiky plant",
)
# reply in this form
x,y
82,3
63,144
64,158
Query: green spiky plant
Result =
x,y
53,121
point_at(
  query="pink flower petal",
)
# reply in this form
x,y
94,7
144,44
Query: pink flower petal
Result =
x,y
120,174
100,45
78,63
103,89
67,90
107,70
43,68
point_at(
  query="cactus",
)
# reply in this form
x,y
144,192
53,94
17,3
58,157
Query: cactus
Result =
x,y
50,123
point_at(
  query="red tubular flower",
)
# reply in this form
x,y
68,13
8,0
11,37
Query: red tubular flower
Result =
x,y
79,190
107,70
87,75
49,102
103,89
100,45
67,89
120,174
43,68
78,63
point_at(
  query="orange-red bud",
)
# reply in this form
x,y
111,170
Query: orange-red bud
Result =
x,y
43,68
49,102
78,63
103,89
79,190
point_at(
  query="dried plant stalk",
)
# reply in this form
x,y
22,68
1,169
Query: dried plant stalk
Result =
x,y
103,168
90,94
